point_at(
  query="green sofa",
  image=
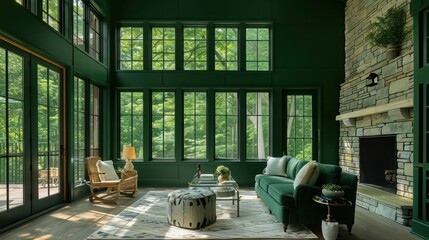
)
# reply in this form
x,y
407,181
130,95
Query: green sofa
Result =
x,y
295,206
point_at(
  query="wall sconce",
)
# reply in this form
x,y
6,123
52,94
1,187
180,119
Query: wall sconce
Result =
x,y
372,80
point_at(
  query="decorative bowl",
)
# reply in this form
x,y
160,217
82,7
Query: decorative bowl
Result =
x,y
333,194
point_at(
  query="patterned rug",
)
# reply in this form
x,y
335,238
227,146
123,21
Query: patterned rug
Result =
x,y
146,219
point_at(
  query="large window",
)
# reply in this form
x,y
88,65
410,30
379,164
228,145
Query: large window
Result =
x,y
226,48
131,48
131,121
226,126
163,48
299,131
195,48
79,130
258,49
163,125
195,125
87,31
52,13
94,120
258,125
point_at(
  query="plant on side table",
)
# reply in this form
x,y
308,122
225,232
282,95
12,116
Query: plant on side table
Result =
x,y
333,191
389,31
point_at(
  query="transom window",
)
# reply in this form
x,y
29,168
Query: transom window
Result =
x,y
51,13
195,125
79,35
226,48
257,49
195,48
131,48
94,36
226,126
257,125
163,48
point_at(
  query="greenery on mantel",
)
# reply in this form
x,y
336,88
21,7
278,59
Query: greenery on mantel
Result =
x,y
389,29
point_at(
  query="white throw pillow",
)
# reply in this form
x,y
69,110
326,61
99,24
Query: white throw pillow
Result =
x,y
276,166
108,169
307,174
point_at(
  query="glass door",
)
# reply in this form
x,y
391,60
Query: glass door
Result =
x,y
47,139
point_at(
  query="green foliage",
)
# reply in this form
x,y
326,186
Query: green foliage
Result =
x,y
332,187
222,171
389,29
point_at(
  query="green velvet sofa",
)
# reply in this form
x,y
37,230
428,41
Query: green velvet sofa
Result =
x,y
295,205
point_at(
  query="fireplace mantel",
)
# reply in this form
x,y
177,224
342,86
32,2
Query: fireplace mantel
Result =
x,y
396,110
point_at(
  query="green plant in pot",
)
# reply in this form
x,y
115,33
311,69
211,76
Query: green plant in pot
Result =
x,y
390,31
332,190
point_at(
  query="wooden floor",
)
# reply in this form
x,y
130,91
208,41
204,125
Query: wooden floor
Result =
x,y
81,218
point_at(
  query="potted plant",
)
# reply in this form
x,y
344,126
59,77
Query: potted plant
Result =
x,y
389,31
332,190
223,173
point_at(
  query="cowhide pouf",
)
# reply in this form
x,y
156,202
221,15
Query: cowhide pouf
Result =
x,y
191,208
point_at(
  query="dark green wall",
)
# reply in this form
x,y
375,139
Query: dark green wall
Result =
x,y
308,43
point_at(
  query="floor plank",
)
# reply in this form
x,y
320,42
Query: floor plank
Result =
x,y
81,218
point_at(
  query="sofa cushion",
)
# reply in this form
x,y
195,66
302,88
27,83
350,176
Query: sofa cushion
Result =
x,y
282,193
293,166
276,166
266,181
258,177
328,174
307,174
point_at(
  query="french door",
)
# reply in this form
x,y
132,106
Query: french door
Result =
x,y
31,164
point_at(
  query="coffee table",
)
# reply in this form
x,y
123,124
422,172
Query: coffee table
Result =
x,y
225,191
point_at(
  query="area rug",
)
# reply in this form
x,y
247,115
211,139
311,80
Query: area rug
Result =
x,y
146,219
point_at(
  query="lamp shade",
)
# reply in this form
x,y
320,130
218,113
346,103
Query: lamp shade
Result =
x,y
128,153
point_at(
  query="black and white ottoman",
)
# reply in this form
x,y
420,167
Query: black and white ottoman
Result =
x,y
191,208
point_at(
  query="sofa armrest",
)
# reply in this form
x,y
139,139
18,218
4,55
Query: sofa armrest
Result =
x,y
303,194
350,181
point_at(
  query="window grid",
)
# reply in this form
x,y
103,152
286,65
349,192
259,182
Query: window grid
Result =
x,y
131,121
195,125
79,130
257,49
94,120
226,126
300,126
51,13
79,20
94,35
163,48
226,48
195,48
258,125
131,48
163,125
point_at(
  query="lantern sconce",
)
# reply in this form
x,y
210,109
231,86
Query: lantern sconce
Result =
x,y
372,79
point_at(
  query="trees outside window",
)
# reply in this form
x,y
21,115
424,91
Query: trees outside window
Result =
x,y
226,126
257,49
131,48
163,125
79,34
79,153
195,48
131,121
195,125
94,120
163,48
52,13
226,48
299,130
258,125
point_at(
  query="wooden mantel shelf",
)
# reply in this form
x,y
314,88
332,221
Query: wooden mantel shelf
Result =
x,y
348,118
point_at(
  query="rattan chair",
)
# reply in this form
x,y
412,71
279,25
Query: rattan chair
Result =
x,y
127,184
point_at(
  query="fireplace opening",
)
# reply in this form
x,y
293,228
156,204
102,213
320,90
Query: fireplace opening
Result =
x,y
378,162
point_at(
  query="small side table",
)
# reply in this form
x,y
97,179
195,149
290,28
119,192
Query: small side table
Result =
x,y
330,226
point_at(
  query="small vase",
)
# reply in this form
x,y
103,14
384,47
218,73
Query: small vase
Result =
x,y
222,178
392,51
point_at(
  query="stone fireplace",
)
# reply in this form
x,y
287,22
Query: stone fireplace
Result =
x,y
375,113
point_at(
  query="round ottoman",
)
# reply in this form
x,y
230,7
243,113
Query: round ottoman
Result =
x,y
191,208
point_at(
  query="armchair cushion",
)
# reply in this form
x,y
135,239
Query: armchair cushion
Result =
x,y
107,168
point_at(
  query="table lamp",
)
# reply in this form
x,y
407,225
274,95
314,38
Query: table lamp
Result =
x,y
129,154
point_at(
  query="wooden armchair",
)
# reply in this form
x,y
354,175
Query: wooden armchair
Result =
x,y
127,184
